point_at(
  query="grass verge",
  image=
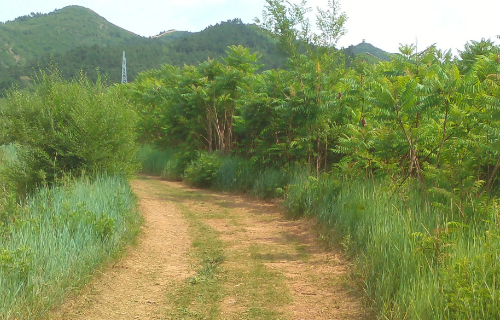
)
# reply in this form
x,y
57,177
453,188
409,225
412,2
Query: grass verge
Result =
x,y
62,235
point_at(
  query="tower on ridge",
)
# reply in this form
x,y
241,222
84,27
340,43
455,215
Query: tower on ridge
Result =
x,y
124,69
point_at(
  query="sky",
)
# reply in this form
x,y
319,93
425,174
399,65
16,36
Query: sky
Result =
x,y
384,23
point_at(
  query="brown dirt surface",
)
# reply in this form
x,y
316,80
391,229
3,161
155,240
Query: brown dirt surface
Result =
x,y
255,234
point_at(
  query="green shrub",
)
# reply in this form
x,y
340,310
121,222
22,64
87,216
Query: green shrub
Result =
x,y
176,165
470,272
68,127
202,171
9,208
167,163
307,195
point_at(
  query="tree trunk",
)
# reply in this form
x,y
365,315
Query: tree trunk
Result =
x,y
318,157
444,134
210,130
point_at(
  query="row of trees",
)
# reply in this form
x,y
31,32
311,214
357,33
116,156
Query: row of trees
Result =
x,y
423,114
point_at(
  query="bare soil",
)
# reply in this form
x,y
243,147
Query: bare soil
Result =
x,y
136,286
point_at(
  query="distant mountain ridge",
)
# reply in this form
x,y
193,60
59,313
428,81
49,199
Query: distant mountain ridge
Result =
x,y
30,37
368,51
76,38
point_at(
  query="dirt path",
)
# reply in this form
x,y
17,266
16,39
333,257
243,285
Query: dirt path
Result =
x,y
206,255
135,287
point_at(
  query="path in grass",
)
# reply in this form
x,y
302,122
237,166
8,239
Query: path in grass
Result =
x,y
207,255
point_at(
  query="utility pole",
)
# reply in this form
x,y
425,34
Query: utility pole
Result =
x,y
124,69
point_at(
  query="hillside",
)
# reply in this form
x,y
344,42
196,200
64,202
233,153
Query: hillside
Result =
x,y
368,52
32,36
77,39
214,40
176,47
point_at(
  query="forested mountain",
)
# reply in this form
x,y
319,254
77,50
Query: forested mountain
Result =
x,y
76,39
367,51
35,35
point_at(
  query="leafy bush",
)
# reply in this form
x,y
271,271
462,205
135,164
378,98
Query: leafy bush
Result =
x,y
202,172
235,174
307,194
176,166
61,127
470,272
8,204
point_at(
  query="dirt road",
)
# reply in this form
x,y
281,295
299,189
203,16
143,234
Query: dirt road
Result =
x,y
207,255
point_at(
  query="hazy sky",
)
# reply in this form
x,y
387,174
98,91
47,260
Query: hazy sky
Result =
x,y
383,23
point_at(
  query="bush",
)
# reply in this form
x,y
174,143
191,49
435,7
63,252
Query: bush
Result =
x,y
8,204
235,174
61,127
176,166
307,195
202,172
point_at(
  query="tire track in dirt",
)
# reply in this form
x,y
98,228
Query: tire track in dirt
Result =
x,y
253,232
259,231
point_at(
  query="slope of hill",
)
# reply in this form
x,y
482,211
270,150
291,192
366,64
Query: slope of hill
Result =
x,y
30,37
76,39
177,48
368,52
214,40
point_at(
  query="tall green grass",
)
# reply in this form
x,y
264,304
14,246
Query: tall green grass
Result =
x,y
8,153
8,198
62,235
205,170
153,160
413,260
239,174
167,163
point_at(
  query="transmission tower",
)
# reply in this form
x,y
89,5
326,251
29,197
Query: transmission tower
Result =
x,y
124,69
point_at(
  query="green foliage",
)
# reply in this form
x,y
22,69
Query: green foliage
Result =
x,y
177,165
63,234
153,160
307,195
67,127
58,31
236,174
9,208
271,183
402,156
94,46
367,52
202,171
470,279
